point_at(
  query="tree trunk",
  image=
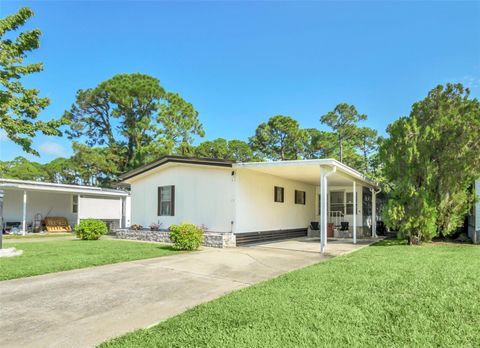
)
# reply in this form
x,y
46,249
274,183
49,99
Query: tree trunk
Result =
x,y
340,143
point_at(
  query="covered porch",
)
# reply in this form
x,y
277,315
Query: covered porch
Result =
x,y
345,200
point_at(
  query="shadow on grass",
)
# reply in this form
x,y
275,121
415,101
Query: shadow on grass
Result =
x,y
390,242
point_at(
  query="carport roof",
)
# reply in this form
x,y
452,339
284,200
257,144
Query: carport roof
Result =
x,y
308,171
52,187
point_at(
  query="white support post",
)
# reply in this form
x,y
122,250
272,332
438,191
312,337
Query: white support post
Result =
x,y
323,213
323,206
78,209
123,222
354,212
374,214
24,216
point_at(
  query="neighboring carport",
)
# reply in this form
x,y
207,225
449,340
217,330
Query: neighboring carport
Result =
x,y
28,203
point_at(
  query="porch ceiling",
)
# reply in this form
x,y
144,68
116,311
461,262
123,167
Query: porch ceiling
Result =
x,y
308,171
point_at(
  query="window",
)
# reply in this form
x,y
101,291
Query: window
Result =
x,y
75,204
279,194
350,203
166,201
299,197
337,202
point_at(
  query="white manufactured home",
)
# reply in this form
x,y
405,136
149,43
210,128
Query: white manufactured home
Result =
x,y
256,200
27,203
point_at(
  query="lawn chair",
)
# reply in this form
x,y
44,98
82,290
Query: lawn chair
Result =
x,y
344,229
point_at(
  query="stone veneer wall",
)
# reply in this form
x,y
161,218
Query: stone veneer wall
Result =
x,y
212,239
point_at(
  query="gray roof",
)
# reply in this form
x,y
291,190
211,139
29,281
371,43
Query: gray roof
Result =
x,y
176,159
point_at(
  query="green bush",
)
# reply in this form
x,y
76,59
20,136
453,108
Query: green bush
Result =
x,y
186,236
91,229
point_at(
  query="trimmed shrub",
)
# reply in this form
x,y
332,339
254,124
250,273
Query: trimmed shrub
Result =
x,y
186,236
91,229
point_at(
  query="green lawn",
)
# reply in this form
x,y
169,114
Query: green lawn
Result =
x,y
55,256
36,235
388,295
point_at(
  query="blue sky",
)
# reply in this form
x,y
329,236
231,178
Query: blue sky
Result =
x,y
241,62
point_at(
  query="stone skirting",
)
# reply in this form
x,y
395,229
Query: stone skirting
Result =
x,y
211,239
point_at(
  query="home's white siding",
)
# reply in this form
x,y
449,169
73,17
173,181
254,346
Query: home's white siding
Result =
x,y
44,203
92,207
477,206
256,209
203,195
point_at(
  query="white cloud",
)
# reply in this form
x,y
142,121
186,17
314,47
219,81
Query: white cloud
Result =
x,y
51,148
3,135
472,81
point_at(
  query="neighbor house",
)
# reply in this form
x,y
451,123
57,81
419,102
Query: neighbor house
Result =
x,y
255,201
474,218
27,203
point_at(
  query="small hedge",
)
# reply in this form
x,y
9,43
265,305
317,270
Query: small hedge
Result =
x,y
186,236
91,229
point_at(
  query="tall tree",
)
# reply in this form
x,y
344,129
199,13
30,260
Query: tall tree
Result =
x,y
135,117
319,144
62,171
22,169
343,120
431,161
95,166
367,143
240,151
279,139
236,150
20,106
179,123
217,148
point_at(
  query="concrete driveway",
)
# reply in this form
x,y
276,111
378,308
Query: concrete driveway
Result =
x,y
82,308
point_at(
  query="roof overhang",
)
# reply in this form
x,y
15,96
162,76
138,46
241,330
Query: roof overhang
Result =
x,y
27,185
308,171
175,159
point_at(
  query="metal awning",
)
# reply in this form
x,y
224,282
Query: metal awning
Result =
x,y
60,188
308,171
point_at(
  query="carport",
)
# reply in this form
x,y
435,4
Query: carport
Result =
x,y
27,203
337,187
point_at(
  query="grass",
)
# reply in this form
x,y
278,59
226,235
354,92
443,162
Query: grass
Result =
x,y
36,235
387,295
55,256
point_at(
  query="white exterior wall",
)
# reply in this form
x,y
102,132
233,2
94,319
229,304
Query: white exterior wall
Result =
x,y
477,206
53,204
256,209
203,195
92,207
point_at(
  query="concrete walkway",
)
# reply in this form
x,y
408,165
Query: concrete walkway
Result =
x,y
82,308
